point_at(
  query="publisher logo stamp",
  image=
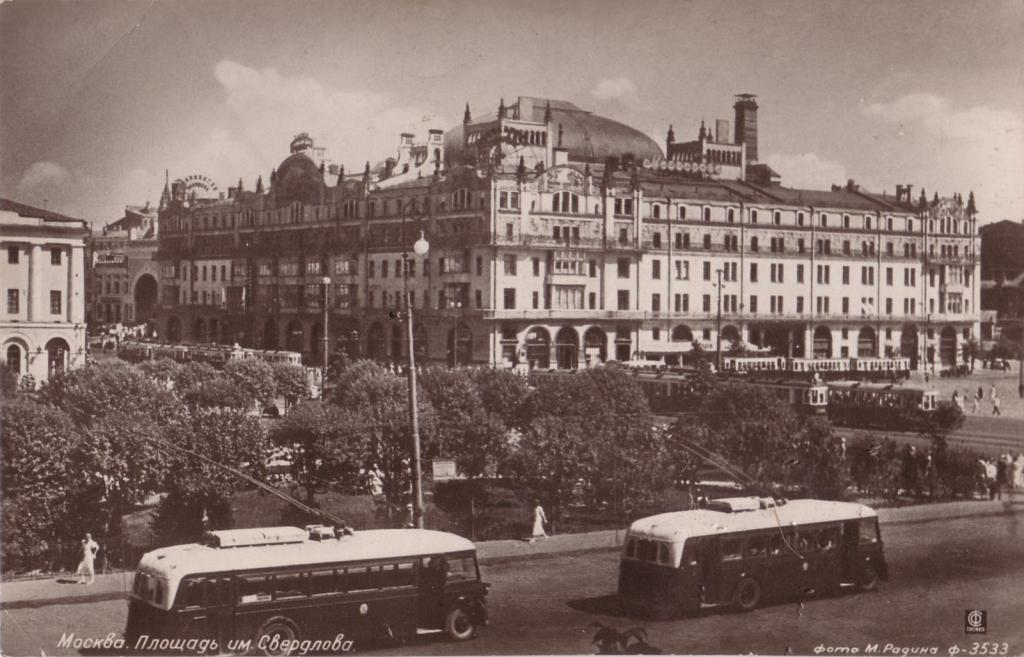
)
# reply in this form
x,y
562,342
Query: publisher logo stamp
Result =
x,y
975,621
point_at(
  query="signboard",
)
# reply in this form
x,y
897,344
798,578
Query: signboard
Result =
x,y
444,469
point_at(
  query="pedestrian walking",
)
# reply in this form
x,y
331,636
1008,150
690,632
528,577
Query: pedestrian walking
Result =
x,y
956,400
977,404
995,406
87,567
539,520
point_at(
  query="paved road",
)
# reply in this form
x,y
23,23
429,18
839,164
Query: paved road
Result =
x,y
939,570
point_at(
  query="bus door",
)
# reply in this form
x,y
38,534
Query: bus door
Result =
x,y
220,609
433,573
709,585
786,563
691,567
851,539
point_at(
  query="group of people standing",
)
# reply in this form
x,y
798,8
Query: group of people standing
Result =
x,y
1004,472
977,398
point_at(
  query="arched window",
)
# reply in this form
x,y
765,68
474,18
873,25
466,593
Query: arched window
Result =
x,y
565,202
910,225
14,359
461,199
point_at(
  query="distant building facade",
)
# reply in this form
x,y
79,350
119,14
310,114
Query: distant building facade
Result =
x,y
124,281
1002,274
42,269
561,239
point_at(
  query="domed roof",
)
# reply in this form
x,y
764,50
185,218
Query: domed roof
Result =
x,y
298,178
588,137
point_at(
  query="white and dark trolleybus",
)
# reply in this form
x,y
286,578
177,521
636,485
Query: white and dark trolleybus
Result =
x,y
281,589
739,551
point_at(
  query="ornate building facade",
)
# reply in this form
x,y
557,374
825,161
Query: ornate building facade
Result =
x,y
560,239
42,273
123,282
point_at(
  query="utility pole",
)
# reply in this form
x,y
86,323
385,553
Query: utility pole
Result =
x,y
718,323
326,339
420,248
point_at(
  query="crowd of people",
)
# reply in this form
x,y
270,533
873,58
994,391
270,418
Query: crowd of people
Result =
x,y
1003,473
976,398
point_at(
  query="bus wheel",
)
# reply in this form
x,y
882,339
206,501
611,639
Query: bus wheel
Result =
x,y
748,594
459,626
868,579
276,638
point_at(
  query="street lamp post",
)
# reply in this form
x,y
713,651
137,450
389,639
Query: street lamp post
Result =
x,y
718,323
326,339
420,248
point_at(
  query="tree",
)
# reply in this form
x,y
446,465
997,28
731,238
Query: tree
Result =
x,y
217,392
91,393
255,377
162,370
323,449
290,382
8,384
192,374
503,394
196,488
37,479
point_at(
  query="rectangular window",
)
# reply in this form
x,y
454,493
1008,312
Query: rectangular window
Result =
x,y
592,300
799,273
656,269
707,270
384,269
536,266
846,275
510,265
656,302
656,239
682,270
706,303
707,242
623,236
753,244
753,272
536,300
888,306
846,305
623,267
753,303
510,298
479,299
54,256
623,299
888,275
799,304
12,255
13,306
800,245
592,265
55,302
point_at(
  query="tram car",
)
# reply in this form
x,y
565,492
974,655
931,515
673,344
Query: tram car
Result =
x,y
866,369
216,355
880,405
669,393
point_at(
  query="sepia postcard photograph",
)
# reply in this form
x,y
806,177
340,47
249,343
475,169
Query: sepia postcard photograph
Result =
x,y
512,327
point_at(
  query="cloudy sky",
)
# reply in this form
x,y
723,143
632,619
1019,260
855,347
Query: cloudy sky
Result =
x,y
98,98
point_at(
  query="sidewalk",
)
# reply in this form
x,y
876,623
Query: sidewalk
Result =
x,y
45,592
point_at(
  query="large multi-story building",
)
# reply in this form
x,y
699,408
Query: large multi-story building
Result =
x,y
123,284
42,273
560,239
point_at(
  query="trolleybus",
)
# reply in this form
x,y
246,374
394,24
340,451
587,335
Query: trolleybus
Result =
x,y
739,551
284,589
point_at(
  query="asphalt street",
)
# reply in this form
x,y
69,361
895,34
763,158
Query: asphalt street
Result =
x,y
939,570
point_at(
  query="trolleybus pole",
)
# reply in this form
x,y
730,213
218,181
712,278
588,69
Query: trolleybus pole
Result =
x,y
419,248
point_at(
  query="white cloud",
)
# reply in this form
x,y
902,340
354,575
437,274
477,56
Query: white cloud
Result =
x,y
269,109
807,170
44,178
979,148
621,88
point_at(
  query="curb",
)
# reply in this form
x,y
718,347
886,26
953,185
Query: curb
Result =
x,y
1008,508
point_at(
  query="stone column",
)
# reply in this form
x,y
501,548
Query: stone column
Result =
x,y
36,310
76,285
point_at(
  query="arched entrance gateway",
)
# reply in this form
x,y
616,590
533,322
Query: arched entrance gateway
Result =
x,y
567,348
682,333
13,355
145,297
293,336
538,348
822,342
57,354
730,337
867,345
595,346
947,346
460,346
173,330
375,342
908,344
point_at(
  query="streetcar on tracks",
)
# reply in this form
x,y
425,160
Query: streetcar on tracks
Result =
x,y
279,590
738,552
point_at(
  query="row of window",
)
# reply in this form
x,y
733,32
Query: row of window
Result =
x,y
14,301
14,255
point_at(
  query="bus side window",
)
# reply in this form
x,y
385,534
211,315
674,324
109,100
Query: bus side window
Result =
x,y
461,568
804,540
398,574
190,593
868,531
363,578
827,539
731,549
691,554
757,546
253,588
323,582
289,585
631,548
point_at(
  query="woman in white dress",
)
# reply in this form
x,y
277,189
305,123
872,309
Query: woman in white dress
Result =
x,y
539,520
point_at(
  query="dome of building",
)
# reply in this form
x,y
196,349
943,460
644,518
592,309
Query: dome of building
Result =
x,y
587,137
299,179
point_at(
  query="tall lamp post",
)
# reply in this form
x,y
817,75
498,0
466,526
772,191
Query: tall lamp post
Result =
x,y
323,375
420,248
